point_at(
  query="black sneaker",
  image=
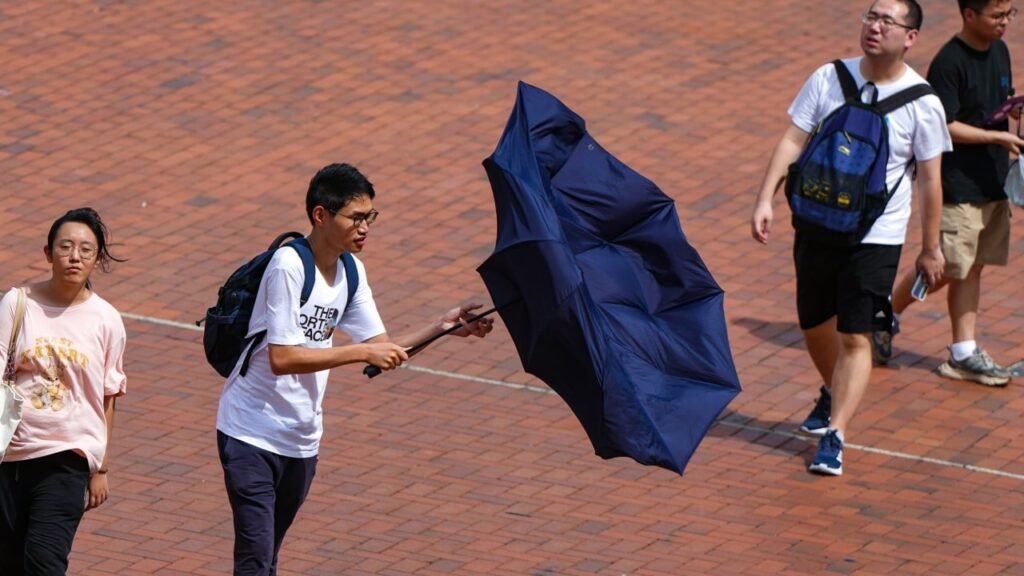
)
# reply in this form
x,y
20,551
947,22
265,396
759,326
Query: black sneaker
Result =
x,y
978,367
817,421
881,343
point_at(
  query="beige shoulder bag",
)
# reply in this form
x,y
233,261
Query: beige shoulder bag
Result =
x,y
10,400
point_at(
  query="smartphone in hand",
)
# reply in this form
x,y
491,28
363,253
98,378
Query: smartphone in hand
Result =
x,y
920,288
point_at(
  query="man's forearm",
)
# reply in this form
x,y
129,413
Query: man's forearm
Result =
x,y
786,152
411,339
961,133
930,186
301,360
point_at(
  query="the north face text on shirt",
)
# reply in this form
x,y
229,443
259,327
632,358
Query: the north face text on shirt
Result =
x,y
320,324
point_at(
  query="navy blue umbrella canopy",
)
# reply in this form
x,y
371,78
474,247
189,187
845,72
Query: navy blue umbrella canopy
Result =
x,y
602,295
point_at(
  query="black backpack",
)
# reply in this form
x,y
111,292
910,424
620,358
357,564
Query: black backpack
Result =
x,y
837,187
227,322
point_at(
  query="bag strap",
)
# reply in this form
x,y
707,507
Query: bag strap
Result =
x,y
19,317
846,81
305,251
282,237
897,101
352,276
251,347
902,98
302,247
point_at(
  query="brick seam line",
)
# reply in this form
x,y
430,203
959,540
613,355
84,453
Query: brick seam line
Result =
x,y
539,390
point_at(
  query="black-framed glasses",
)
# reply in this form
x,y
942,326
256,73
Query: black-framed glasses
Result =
x,y
884,22
1009,15
358,219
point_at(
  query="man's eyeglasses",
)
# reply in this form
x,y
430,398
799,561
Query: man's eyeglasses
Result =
x,y
1009,15
358,219
86,251
886,23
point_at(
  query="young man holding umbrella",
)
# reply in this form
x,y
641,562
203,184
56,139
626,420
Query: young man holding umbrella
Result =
x,y
269,421
843,292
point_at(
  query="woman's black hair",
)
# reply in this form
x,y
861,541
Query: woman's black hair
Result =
x,y
90,218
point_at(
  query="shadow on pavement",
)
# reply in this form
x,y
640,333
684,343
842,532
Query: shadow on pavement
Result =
x,y
783,334
776,435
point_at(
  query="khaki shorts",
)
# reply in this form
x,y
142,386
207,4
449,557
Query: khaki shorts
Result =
x,y
974,234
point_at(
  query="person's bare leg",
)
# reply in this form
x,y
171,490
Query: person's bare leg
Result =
x,y
823,347
901,298
850,379
963,301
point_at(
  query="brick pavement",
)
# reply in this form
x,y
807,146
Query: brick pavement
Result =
x,y
193,128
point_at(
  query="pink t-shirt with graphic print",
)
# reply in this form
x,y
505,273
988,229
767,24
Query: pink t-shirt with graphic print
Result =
x,y
68,360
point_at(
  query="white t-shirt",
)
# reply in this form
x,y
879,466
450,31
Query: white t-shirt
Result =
x,y
283,414
917,130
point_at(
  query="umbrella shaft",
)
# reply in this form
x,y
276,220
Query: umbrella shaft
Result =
x,y
431,340
372,371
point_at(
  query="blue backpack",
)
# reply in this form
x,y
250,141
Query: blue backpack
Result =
x,y
225,337
836,188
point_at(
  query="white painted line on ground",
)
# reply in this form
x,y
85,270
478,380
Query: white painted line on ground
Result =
x,y
873,450
542,390
161,322
489,381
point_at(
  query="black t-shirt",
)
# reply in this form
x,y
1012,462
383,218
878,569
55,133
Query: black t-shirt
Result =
x,y
972,85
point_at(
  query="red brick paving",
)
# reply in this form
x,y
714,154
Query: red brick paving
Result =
x,y
193,128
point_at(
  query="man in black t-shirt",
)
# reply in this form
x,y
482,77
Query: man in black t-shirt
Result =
x,y
972,77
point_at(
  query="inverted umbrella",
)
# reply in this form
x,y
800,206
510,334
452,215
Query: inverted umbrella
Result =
x,y
605,300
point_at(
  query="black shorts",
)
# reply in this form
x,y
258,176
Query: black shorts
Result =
x,y
854,284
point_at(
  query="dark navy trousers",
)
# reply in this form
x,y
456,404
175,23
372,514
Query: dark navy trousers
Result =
x,y
42,501
265,491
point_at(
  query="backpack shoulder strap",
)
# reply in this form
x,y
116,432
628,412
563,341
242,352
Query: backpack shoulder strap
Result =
x,y
351,276
282,237
902,98
897,101
301,245
849,85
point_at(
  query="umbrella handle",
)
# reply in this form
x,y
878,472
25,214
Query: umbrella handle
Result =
x,y
372,371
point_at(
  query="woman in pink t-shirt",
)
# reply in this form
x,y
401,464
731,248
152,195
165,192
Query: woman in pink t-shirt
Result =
x,y
68,366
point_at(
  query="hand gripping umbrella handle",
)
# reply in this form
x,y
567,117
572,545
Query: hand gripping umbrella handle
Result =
x,y
372,371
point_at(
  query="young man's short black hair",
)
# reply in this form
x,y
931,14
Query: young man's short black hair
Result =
x,y
334,186
976,5
915,17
